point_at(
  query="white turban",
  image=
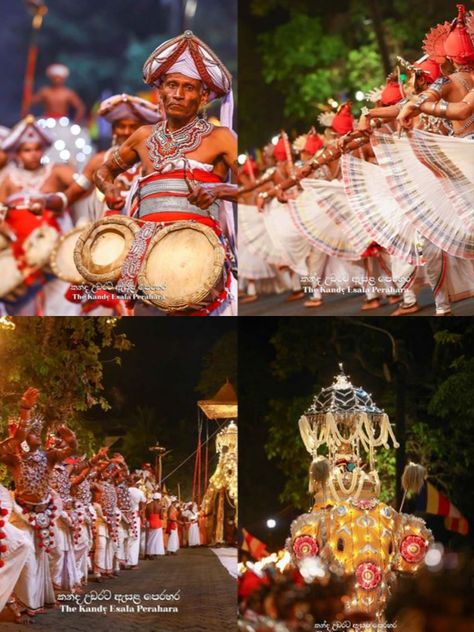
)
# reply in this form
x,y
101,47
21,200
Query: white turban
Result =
x,y
57,70
26,131
189,56
125,106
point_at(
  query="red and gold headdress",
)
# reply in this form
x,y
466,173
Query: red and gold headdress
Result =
x,y
313,142
343,122
453,40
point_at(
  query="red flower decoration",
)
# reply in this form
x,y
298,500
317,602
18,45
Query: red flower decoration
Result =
x,y
305,546
368,575
3,512
413,548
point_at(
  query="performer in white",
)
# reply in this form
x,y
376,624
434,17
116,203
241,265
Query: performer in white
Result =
x,y
15,550
194,538
172,528
138,501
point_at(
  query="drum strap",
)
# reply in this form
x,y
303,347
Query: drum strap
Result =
x,y
128,283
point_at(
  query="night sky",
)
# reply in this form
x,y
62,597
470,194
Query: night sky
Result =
x,y
260,480
160,373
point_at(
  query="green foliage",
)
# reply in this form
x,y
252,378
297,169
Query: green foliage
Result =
x,y
63,358
285,445
438,371
219,365
304,52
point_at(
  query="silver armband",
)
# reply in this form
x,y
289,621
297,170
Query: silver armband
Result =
x,y
121,164
63,198
443,106
421,99
81,180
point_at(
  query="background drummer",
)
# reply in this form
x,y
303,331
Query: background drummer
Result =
x,y
126,114
22,190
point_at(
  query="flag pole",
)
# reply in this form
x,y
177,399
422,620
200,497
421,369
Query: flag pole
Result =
x,y
39,11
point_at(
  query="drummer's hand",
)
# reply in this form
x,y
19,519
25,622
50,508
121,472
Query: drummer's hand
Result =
x,y
37,205
201,197
114,198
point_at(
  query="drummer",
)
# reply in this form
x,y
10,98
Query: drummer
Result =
x,y
185,159
22,191
126,113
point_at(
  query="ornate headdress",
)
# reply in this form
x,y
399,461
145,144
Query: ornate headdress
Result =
x,y
313,142
346,420
189,56
391,92
125,106
299,143
35,424
453,40
374,95
326,118
343,122
26,131
280,150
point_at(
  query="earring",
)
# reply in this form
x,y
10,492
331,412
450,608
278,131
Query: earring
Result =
x,y
114,140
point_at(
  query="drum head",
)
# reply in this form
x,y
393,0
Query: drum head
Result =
x,y
39,245
101,249
11,277
62,258
183,267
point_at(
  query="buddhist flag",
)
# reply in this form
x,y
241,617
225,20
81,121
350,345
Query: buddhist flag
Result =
x,y
253,545
431,501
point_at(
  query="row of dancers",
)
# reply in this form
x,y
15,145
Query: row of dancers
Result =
x,y
382,205
72,519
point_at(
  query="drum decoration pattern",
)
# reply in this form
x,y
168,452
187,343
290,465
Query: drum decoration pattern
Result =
x,y
184,263
175,267
349,531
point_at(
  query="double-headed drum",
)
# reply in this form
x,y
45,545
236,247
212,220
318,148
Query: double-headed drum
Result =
x,y
183,268
101,248
39,245
62,258
11,278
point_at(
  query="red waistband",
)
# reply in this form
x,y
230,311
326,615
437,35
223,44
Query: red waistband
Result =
x,y
172,216
23,222
200,175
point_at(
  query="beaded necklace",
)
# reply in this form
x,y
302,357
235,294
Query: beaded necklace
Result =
x,y
165,146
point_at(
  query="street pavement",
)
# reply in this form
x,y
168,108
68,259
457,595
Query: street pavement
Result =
x,y
347,305
207,599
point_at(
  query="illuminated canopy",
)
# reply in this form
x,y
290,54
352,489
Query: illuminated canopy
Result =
x,y
223,405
